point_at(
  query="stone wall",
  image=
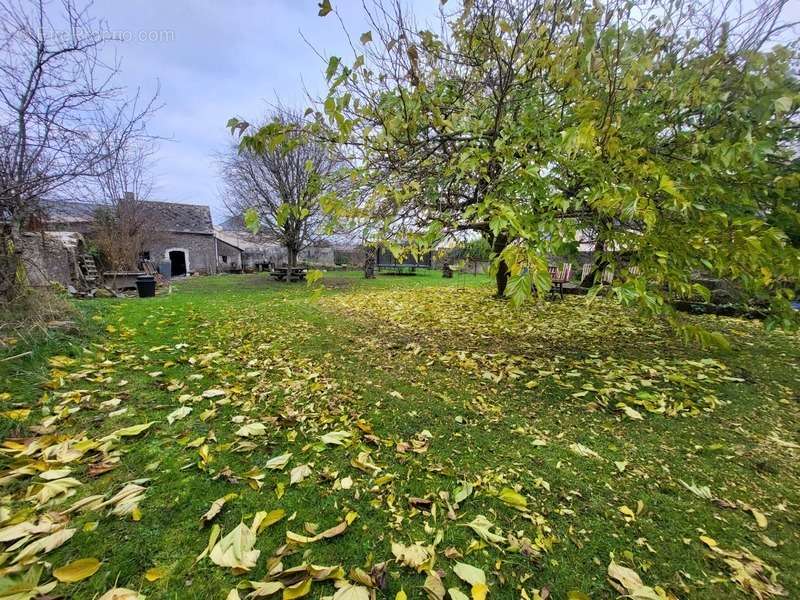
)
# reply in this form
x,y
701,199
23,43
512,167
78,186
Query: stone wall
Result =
x,y
273,254
351,257
48,258
314,255
230,257
200,250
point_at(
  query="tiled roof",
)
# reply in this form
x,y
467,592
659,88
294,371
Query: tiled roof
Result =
x,y
188,218
167,216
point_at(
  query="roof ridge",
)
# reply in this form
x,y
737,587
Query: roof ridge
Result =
x,y
55,203
177,203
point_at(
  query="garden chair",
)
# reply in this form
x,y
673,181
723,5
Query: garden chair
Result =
x,y
586,270
606,278
559,277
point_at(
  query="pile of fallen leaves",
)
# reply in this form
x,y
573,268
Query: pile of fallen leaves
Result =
x,y
567,344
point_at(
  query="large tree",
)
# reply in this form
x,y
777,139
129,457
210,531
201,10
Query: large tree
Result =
x,y
279,187
62,117
665,131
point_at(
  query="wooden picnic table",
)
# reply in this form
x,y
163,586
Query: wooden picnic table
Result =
x,y
289,273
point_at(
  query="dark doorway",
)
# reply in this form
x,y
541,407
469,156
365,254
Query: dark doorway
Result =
x,y
178,260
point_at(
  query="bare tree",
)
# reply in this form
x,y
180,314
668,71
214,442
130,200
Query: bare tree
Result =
x,y
129,168
122,219
62,117
283,185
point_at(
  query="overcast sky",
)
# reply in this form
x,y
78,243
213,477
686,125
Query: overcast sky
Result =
x,y
215,60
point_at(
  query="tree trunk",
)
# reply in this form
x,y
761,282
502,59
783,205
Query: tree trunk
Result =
x,y
369,263
501,277
291,253
599,263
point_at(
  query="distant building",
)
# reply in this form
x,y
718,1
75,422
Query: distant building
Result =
x,y
254,252
258,252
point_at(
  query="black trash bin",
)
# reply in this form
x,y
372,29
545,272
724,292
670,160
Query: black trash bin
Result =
x,y
146,286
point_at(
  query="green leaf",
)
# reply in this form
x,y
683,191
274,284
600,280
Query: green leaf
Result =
x,y
77,570
133,430
251,220
330,105
519,289
666,184
513,498
278,462
783,105
336,438
333,64
283,213
482,526
462,492
324,8
366,37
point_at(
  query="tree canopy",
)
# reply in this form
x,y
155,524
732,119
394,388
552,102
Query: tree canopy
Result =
x,y
664,134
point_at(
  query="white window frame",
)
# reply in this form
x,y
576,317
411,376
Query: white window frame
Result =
x,y
185,257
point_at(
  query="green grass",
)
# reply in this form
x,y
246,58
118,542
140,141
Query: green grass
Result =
x,y
408,355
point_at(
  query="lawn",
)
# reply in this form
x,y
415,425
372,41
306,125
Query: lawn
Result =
x,y
400,429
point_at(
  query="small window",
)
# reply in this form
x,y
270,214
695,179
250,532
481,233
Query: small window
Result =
x,y
144,256
224,258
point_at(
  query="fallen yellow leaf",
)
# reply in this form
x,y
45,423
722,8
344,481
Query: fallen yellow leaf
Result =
x,y
155,573
77,570
708,541
298,590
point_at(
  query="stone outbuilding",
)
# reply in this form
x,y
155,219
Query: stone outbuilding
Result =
x,y
257,252
182,233
185,237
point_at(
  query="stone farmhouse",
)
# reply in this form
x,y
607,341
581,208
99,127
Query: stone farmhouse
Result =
x,y
182,233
